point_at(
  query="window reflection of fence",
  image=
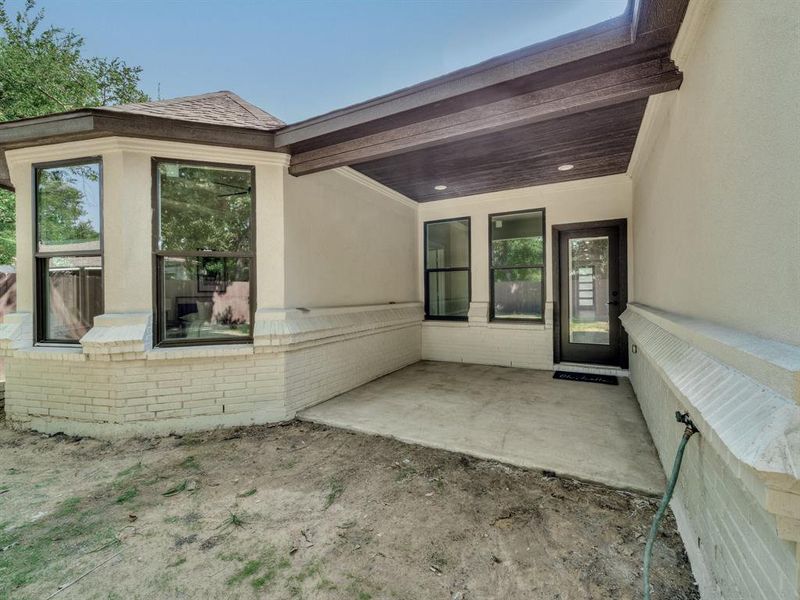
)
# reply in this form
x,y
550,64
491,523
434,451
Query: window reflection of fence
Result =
x,y
76,296
8,290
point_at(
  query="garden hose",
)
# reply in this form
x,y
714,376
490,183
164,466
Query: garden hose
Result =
x,y
662,508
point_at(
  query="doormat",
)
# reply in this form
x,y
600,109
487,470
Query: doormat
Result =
x,y
587,377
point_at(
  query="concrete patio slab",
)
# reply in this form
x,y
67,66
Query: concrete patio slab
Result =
x,y
522,417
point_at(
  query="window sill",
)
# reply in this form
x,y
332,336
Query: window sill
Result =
x,y
445,323
200,351
522,325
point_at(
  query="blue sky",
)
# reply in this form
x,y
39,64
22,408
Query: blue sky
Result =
x,y
298,59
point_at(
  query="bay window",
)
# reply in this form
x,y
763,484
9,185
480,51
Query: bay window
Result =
x,y
204,252
68,249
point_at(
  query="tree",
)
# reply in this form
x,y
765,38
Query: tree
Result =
x,y
42,71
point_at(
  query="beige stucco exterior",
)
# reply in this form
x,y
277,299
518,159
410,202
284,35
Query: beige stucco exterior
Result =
x,y
716,210
349,240
715,328
711,201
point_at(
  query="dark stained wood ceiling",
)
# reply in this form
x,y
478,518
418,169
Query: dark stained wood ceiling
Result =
x,y
509,122
597,143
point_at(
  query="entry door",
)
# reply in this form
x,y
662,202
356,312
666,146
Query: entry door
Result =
x,y
592,293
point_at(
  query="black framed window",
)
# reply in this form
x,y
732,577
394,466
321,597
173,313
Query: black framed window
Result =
x,y
68,249
447,269
516,265
204,246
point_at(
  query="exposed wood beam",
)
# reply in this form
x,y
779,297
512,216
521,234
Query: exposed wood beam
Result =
x,y
22,132
606,89
603,37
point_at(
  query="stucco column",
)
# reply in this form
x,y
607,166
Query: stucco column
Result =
x,y
270,238
127,236
22,177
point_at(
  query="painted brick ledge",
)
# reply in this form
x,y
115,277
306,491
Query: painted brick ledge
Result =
x,y
288,327
128,336
751,426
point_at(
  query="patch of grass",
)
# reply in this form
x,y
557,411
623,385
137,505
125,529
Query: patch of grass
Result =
x,y
247,494
175,489
405,472
127,495
229,556
335,489
130,470
250,568
33,551
190,462
67,507
234,520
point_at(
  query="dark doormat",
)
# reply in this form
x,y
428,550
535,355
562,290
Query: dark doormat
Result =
x,y
587,377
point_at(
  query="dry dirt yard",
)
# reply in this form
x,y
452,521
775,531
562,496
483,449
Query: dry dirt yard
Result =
x,y
304,511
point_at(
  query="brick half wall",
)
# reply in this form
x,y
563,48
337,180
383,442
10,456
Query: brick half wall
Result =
x,y
737,501
299,362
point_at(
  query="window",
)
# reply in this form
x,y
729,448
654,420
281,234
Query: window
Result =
x,y
68,251
516,265
447,269
204,252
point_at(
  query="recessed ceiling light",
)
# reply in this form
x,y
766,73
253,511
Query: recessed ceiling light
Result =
x,y
440,188
566,167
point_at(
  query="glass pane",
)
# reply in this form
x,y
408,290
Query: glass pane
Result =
x,y
204,208
205,298
588,308
72,296
518,240
448,244
518,293
448,293
68,208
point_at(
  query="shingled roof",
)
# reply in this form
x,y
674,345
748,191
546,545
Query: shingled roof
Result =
x,y
215,108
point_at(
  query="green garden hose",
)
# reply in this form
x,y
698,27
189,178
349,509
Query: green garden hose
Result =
x,y
662,508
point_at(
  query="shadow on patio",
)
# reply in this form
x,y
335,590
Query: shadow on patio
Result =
x,y
517,416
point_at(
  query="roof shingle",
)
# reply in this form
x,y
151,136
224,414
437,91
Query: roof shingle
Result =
x,y
215,108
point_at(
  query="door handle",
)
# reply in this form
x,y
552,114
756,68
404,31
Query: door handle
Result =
x,y
613,302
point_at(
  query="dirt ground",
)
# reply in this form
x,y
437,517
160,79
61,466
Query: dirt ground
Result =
x,y
304,511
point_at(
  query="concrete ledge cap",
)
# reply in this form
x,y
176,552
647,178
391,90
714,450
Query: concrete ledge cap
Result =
x,y
774,364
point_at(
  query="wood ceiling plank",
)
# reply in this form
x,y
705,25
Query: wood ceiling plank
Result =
x,y
622,85
520,157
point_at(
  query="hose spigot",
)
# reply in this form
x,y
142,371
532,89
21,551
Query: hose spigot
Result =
x,y
691,428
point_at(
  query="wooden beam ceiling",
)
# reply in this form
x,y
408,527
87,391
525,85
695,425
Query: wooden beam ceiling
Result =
x,y
454,127
607,89
596,143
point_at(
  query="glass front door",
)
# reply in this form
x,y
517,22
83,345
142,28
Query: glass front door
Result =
x,y
590,295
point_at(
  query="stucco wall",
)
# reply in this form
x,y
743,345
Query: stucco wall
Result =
x,y
717,202
348,241
529,344
716,230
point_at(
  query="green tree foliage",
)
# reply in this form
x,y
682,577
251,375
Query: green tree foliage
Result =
x,y
64,210
42,71
204,209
